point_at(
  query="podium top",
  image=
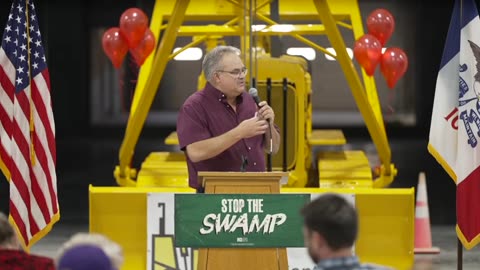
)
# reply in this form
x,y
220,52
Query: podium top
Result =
x,y
281,176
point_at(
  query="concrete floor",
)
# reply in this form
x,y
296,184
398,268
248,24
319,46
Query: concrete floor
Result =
x,y
444,237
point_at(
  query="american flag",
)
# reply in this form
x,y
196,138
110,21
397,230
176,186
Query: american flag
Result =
x,y
27,128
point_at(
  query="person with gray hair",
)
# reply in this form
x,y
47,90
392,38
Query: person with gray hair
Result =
x,y
221,127
89,251
12,255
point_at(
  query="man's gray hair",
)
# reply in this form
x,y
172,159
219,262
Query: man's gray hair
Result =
x,y
212,59
113,250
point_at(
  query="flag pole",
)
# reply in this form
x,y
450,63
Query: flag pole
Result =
x,y
459,243
459,254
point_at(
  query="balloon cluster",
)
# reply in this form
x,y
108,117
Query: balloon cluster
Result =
x,y
133,35
368,48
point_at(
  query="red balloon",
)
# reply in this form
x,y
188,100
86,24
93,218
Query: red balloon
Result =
x,y
144,48
133,24
381,24
114,46
368,52
393,65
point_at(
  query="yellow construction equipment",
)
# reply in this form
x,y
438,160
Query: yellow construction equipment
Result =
x,y
238,17
386,215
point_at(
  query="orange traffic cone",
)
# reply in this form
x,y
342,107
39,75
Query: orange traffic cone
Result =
x,y
423,234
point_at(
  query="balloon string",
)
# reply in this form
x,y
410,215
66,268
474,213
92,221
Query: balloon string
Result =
x,y
121,83
390,108
124,88
134,76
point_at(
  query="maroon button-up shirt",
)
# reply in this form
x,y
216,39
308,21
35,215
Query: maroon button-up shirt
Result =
x,y
206,114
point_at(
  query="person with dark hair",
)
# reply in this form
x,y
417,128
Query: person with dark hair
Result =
x,y
330,231
12,256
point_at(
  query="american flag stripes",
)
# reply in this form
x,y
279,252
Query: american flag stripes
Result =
x,y
27,128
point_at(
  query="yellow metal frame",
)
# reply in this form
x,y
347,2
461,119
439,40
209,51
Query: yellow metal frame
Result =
x,y
386,215
277,69
386,224
370,111
144,95
332,14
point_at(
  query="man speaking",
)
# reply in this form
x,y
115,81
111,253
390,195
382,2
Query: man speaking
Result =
x,y
221,128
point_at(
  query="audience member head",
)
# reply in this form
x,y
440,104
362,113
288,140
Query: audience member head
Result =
x,y
84,257
8,236
330,227
86,249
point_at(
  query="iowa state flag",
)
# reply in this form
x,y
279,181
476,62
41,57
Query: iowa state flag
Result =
x,y
455,128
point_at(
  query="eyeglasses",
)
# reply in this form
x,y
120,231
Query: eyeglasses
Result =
x,y
236,72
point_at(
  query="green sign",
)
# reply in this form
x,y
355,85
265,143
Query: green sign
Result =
x,y
239,220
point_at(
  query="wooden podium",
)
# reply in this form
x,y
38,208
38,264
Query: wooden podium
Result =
x,y
242,258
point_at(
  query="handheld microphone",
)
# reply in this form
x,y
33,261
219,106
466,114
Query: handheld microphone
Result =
x,y
254,93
